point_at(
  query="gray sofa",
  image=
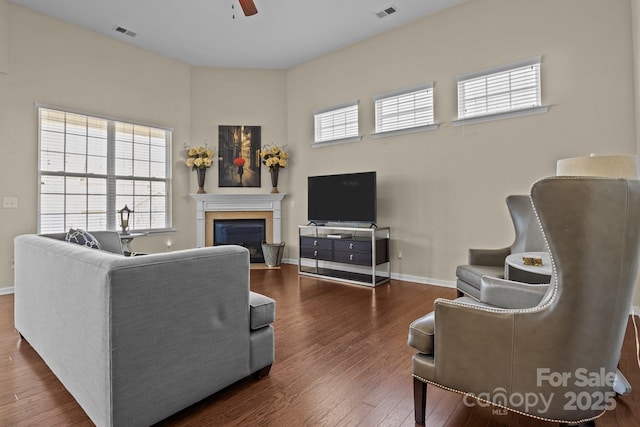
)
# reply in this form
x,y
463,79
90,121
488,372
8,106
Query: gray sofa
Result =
x,y
136,339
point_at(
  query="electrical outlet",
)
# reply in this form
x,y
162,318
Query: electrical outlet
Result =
x,y
10,202
400,254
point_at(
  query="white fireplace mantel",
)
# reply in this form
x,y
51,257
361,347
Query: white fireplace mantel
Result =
x,y
237,203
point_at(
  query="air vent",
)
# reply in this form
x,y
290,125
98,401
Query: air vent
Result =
x,y
125,31
386,12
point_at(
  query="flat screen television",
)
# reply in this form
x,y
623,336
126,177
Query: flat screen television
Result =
x,y
342,198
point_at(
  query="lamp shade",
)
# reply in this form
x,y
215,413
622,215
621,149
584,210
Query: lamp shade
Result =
x,y
616,166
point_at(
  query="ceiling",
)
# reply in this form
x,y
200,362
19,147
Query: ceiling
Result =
x,y
283,34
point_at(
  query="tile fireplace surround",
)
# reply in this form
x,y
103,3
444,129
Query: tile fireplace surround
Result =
x,y
238,206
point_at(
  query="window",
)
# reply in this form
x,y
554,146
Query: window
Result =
x,y
337,124
501,91
402,110
90,167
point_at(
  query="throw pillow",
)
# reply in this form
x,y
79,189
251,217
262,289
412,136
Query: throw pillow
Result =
x,y
81,237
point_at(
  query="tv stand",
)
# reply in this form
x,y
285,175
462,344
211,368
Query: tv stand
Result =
x,y
347,254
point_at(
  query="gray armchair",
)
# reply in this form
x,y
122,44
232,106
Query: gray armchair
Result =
x,y
490,262
498,355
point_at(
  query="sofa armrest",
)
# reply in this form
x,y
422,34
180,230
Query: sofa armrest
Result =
x,y
262,310
494,257
508,294
109,241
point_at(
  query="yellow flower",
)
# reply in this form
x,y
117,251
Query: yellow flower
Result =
x,y
199,157
274,156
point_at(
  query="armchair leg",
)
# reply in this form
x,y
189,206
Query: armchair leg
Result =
x,y
459,293
419,400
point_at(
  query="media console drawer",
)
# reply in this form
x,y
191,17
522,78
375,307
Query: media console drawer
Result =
x,y
322,254
352,257
353,246
316,242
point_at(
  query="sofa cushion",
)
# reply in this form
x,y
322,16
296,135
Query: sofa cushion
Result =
x,y
262,310
81,237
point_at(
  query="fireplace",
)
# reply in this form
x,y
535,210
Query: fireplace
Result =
x,y
212,207
249,233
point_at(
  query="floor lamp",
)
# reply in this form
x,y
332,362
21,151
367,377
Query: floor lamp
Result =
x,y
617,166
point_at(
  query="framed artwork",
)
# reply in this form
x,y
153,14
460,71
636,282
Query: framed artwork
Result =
x,y
239,156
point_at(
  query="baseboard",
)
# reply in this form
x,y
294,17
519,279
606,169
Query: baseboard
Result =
x,y
424,280
6,291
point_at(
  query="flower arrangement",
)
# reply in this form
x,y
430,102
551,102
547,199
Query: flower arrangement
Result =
x,y
238,161
274,157
199,157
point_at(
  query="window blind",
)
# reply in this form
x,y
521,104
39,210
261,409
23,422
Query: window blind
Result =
x,y
90,167
404,110
336,123
511,88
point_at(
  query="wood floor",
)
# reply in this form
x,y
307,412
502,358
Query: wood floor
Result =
x,y
341,360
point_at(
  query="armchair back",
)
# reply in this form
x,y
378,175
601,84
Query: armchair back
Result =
x,y
528,234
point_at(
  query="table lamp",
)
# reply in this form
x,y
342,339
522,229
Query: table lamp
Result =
x,y
615,166
125,213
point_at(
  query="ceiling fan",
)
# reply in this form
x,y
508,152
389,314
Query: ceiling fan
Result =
x,y
248,7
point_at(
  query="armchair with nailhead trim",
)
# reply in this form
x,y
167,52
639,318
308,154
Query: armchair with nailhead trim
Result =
x,y
495,353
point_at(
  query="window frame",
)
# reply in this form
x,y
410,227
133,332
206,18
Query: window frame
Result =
x,y
111,219
431,125
336,110
537,108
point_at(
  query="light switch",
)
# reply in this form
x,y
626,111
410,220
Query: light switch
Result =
x,y
10,202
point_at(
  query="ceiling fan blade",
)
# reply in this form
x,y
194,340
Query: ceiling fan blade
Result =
x,y
248,7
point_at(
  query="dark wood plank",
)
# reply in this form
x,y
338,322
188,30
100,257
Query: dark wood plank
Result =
x,y
341,360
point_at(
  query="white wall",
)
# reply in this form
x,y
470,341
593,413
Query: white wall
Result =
x,y
54,63
442,192
59,64
221,96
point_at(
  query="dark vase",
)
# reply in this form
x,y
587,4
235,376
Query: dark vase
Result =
x,y
202,173
274,179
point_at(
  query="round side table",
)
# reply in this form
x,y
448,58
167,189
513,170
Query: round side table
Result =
x,y
516,270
